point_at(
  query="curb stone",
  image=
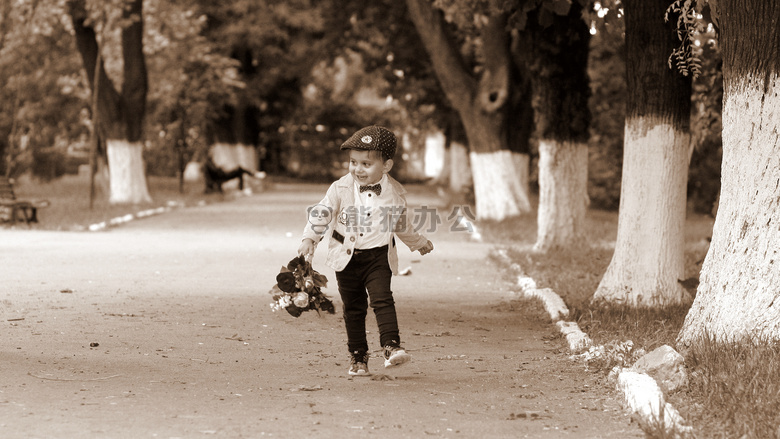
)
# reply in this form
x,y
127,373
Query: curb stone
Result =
x,y
129,217
169,206
641,393
553,304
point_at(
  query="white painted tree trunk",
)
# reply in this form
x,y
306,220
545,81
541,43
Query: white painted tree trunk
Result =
x,y
649,252
459,170
232,155
739,289
498,191
563,194
127,172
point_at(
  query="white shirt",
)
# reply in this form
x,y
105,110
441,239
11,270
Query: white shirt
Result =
x,y
372,216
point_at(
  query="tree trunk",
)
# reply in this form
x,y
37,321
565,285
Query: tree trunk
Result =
x,y
497,187
649,252
495,198
128,180
482,106
121,115
739,286
563,178
557,56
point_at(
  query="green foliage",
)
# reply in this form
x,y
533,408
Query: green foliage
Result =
x,y
275,42
40,88
687,57
191,84
390,49
542,12
205,59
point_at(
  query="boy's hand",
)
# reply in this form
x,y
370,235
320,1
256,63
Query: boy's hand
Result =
x,y
306,249
427,248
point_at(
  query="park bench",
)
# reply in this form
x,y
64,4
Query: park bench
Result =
x,y
12,209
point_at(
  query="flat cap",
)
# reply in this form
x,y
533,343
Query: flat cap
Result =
x,y
373,138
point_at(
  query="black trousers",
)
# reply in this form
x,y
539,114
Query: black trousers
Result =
x,y
366,280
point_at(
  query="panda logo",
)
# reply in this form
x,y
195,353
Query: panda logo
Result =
x,y
319,217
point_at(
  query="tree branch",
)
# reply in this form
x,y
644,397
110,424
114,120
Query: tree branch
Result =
x,y
457,83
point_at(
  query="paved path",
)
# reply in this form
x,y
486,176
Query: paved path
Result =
x,y
161,328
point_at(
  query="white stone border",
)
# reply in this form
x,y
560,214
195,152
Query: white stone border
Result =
x,y
113,222
170,205
641,393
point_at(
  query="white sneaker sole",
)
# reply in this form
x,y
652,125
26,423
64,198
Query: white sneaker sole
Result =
x,y
398,359
359,373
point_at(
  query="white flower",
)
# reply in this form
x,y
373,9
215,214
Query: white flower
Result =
x,y
301,300
281,303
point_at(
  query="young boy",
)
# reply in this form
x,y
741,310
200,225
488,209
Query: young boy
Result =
x,y
367,210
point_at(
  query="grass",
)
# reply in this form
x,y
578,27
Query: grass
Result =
x,y
734,388
70,210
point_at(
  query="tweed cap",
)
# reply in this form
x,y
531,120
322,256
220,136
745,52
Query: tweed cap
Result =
x,y
373,138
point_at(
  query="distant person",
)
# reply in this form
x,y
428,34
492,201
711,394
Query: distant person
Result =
x,y
215,176
366,209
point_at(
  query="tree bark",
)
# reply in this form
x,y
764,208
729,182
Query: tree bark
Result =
x,y
482,105
557,57
136,82
737,297
649,251
563,173
122,115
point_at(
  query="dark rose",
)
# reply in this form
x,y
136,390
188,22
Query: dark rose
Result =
x,y
286,282
294,311
297,262
327,306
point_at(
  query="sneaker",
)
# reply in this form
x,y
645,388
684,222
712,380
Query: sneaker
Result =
x,y
395,355
358,363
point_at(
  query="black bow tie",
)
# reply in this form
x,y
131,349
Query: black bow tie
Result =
x,y
376,188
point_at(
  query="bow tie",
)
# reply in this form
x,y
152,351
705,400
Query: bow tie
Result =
x,y
376,188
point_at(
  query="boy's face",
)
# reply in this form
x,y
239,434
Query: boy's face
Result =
x,y
367,167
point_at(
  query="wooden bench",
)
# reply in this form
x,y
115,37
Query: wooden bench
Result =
x,y
13,210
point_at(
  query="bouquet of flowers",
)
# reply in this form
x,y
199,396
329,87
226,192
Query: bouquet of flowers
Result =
x,y
298,289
